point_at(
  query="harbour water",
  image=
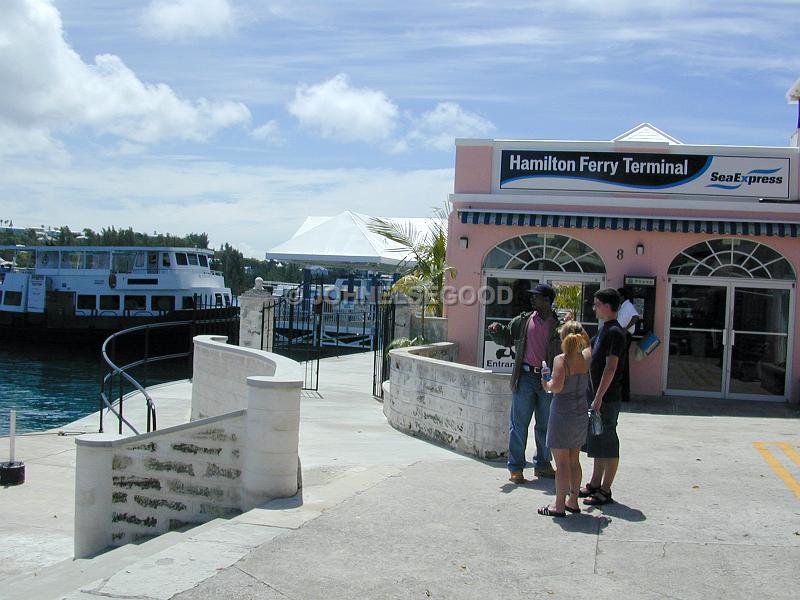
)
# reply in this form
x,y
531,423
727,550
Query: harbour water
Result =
x,y
54,384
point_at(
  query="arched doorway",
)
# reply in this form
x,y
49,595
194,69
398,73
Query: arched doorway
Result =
x,y
569,265
731,320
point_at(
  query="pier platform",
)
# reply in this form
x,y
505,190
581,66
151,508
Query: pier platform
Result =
x,y
707,506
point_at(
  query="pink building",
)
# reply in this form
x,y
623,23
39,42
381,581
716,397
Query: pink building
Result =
x,y
705,235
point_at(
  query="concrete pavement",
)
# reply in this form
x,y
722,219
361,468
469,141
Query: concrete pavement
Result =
x,y
707,507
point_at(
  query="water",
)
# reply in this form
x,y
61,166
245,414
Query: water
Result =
x,y
52,385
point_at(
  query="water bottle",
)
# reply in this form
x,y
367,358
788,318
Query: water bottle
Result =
x,y
545,372
595,422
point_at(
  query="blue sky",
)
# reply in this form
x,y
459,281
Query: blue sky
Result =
x,y
241,117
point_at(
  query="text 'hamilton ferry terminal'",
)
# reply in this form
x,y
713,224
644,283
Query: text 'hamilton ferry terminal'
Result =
x,y
585,164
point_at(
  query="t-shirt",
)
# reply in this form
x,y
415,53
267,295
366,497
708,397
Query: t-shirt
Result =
x,y
609,341
626,312
538,337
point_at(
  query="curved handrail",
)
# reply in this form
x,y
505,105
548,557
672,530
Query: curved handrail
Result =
x,y
116,370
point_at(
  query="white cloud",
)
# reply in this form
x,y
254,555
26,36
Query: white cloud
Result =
x,y
180,19
268,131
350,114
48,89
438,128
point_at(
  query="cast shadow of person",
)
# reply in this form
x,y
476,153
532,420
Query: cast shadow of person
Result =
x,y
617,510
540,484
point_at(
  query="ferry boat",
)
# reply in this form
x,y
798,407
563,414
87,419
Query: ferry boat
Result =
x,y
104,288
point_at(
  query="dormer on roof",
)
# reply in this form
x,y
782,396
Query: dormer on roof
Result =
x,y
645,133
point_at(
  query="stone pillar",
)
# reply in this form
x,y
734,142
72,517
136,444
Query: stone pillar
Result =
x,y
403,311
93,490
272,429
254,321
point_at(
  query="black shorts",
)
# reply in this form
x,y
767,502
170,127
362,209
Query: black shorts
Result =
x,y
606,445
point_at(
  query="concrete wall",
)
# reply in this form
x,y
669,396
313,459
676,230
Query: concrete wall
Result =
x,y
127,488
431,396
433,329
158,481
220,371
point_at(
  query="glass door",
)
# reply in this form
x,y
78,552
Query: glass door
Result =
x,y
759,342
509,298
729,340
697,338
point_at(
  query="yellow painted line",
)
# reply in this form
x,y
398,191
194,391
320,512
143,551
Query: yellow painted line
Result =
x,y
789,451
779,469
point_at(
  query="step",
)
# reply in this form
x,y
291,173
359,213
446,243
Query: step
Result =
x,y
62,577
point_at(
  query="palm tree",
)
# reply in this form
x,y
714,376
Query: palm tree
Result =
x,y
428,249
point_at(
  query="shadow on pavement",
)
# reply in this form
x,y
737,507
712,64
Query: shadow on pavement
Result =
x,y
622,511
542,485
584,522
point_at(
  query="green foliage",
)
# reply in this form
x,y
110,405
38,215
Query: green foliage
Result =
x,y
425,279
569,296
405,342
108,236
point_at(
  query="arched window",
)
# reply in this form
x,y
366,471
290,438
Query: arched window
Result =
x,y
544,252
732,257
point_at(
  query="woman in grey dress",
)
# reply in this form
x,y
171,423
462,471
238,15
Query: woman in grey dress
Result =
x,y
568,424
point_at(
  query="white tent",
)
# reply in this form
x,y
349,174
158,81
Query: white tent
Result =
x,y
344,238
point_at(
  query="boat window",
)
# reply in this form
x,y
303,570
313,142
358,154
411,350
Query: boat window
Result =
x,y
97,260
72,260
86,302
192,259
48,260
188,302
135,303
139,260
180,258
218,300
227,300
122,263
109,302
165,259
1,297
203,260
12,299
162,303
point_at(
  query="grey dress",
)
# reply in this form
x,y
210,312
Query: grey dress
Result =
x,y
569,413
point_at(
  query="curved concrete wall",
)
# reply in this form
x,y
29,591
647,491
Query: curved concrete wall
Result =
x,y
220,372
460,406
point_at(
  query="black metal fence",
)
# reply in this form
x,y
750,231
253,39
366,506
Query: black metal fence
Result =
x,y
384,336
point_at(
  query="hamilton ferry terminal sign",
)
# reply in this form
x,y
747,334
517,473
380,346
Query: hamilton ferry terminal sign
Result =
x,y
757,177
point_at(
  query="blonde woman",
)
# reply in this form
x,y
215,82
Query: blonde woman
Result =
x,y
569,420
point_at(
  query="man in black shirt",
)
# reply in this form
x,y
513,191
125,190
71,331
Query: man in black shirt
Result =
x,y
606,371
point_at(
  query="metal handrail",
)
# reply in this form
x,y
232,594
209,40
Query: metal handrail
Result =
x,y
116,370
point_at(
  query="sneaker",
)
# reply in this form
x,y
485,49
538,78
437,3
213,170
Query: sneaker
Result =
x,y
545,471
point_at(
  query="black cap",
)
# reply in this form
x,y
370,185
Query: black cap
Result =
x,y
544,290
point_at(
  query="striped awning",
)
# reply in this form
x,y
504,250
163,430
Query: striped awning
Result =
x,y
628,223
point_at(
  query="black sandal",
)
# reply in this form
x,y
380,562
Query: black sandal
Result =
x,y
588,490
599,498
574,511
545,511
